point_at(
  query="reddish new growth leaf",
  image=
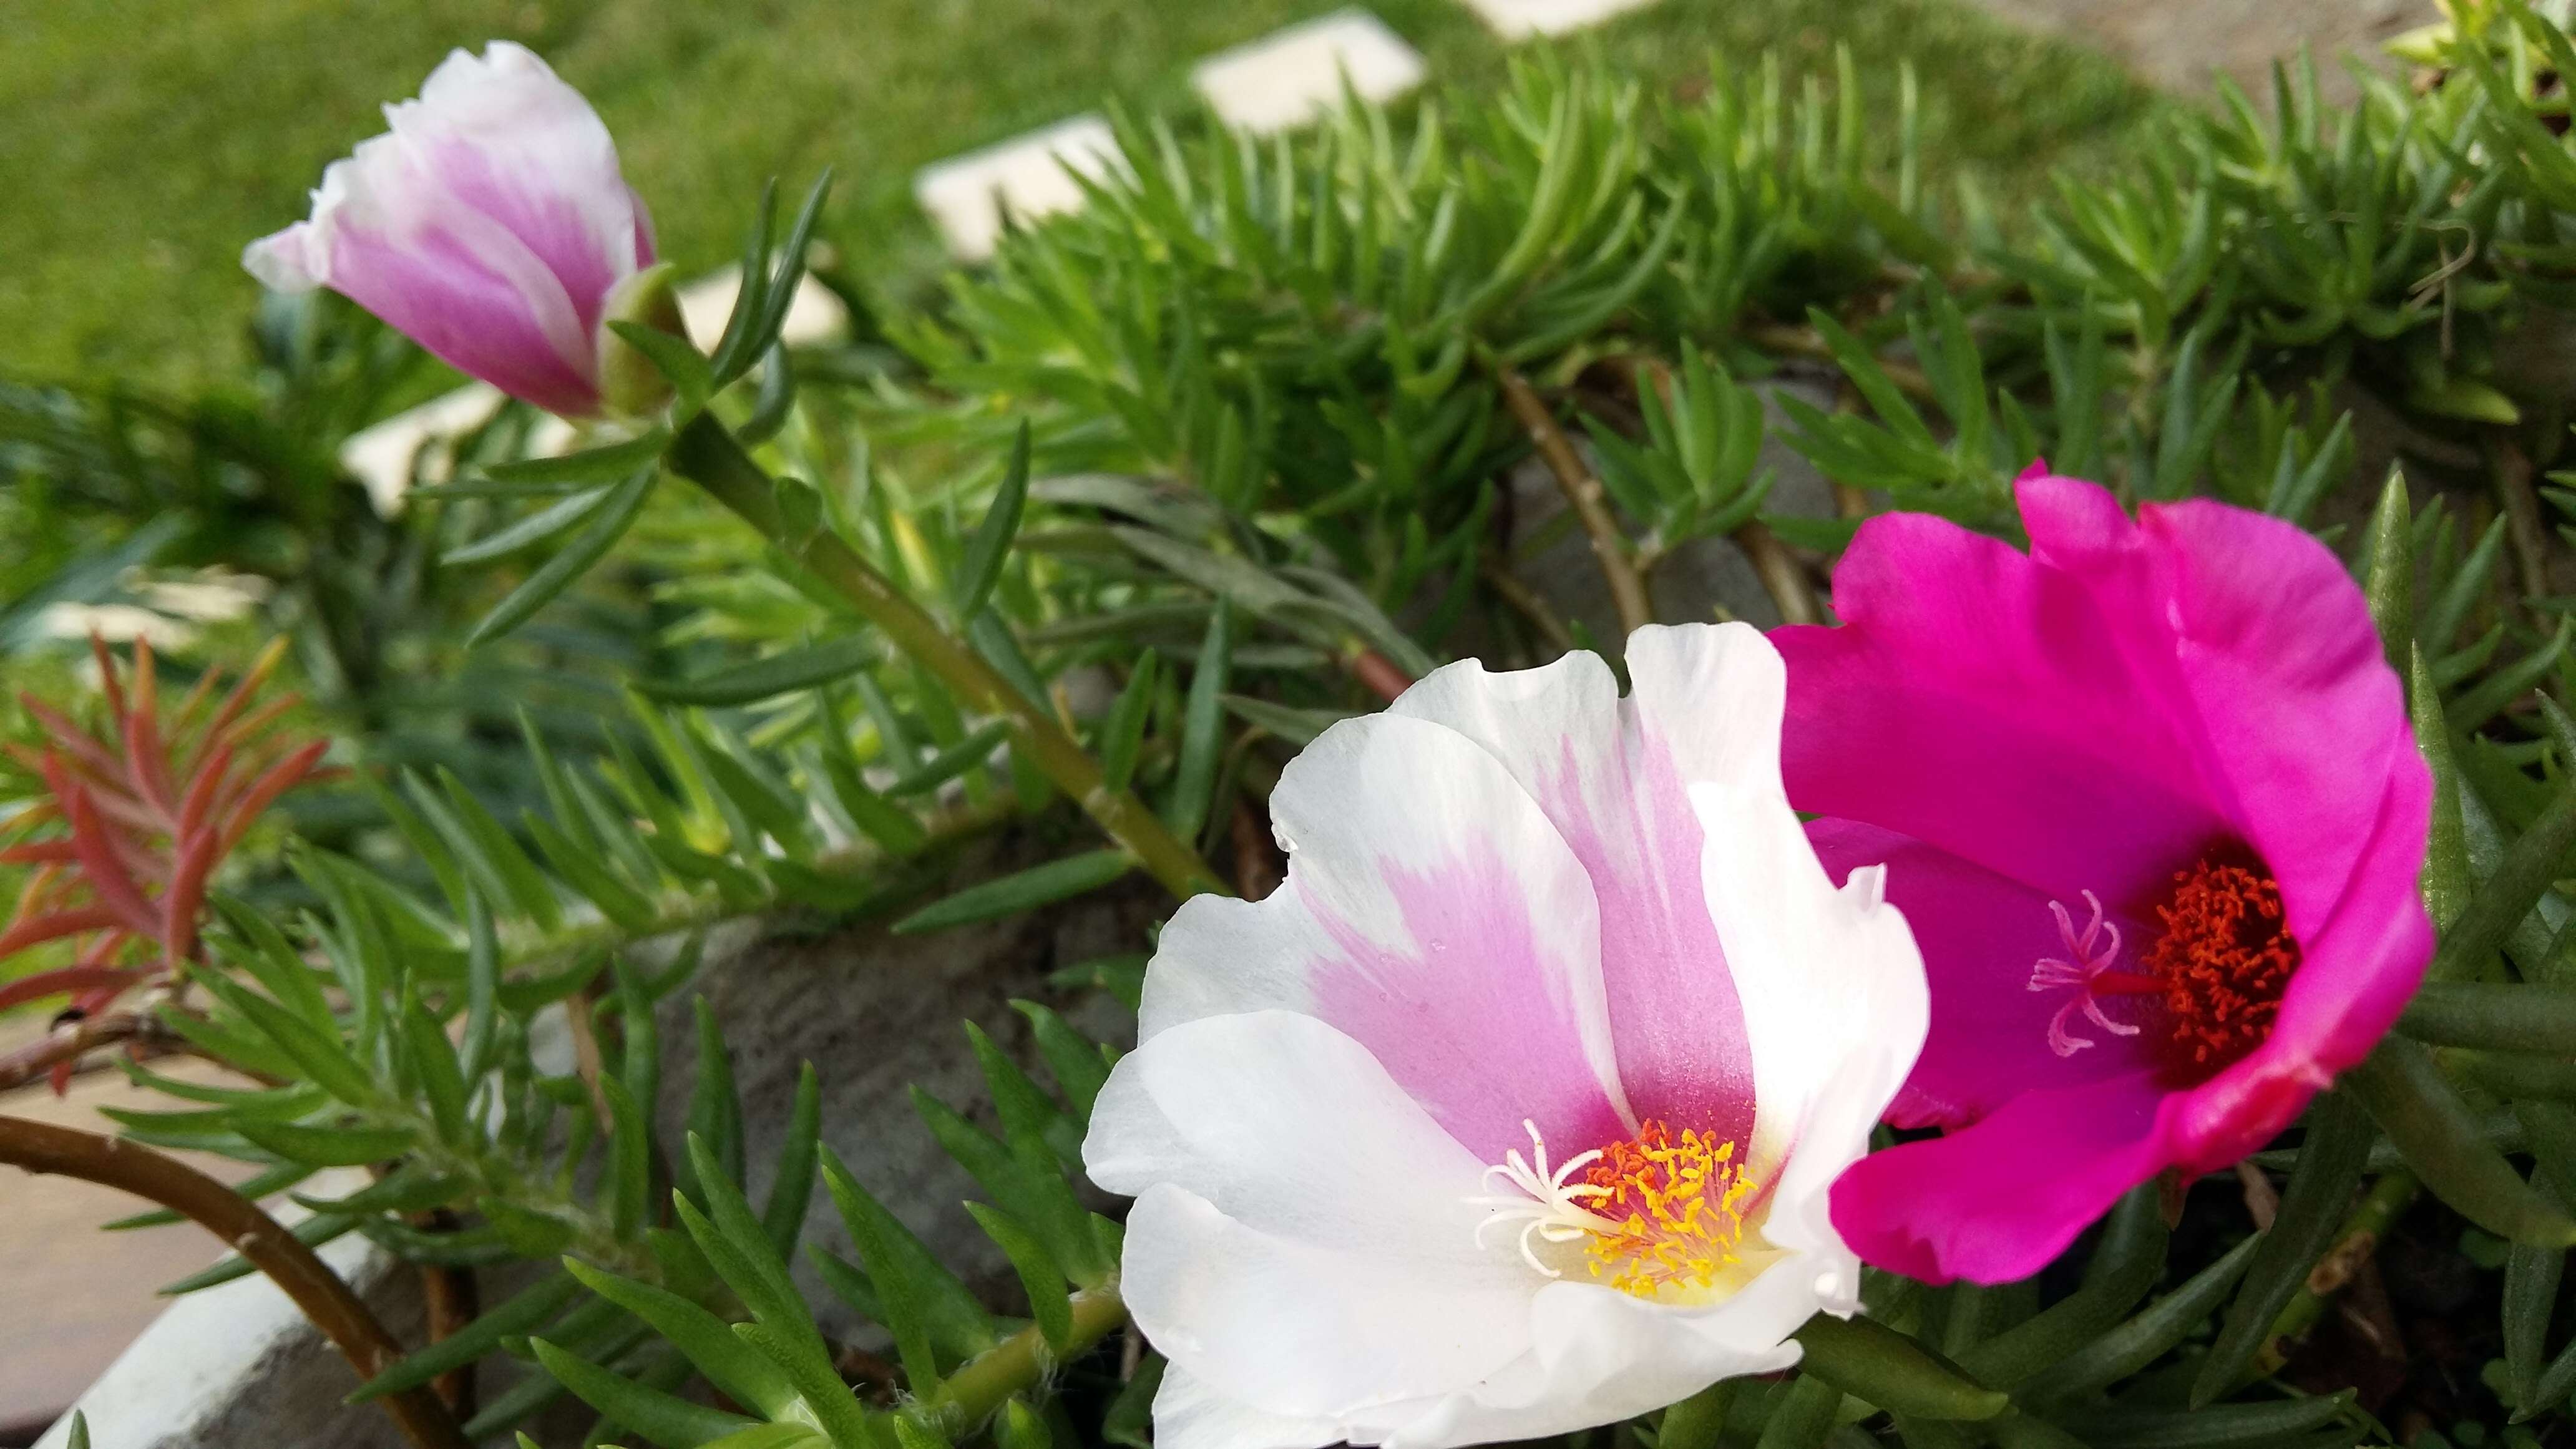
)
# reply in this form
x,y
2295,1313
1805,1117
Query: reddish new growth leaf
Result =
x,y
135,823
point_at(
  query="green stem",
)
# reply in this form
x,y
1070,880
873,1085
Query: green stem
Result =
x,y
2371,1218
707,455
984,1383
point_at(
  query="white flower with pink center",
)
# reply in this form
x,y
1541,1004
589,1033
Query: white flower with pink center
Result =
x,y
1515,1109
490,222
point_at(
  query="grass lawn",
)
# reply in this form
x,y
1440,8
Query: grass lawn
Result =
x,y
142,142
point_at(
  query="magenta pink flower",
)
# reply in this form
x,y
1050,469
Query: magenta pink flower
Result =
x,y
491,223
2148,796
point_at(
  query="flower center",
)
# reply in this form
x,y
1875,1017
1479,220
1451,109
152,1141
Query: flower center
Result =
x,y
2224,959
1658,1216
2220,963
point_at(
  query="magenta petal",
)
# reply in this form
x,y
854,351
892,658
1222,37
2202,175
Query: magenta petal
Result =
x,y
1998,1201
1973,700
2097,714
1981,933
2304,722
2356,974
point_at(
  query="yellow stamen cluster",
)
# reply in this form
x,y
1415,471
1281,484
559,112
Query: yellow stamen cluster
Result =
x,y
1677,1206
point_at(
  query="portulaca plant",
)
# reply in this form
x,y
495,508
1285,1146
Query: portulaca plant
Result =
x,y
1516,1109
1886,1029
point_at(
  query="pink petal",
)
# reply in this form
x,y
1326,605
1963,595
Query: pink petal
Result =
x,y
1613,776
508,139
490,225
478,305
1998,1201
1980,934
1836,1005
1434,915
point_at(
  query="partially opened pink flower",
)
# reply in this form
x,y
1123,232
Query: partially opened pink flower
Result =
x,y
1515,1109
491,224
2149,798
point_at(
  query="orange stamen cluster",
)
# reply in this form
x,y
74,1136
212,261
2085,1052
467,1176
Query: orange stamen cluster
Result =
x,y
1677,1205
2225,957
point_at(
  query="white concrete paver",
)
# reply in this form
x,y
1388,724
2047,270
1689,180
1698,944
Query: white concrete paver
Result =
x,y
1521,19
1027,177
816,315
1294,74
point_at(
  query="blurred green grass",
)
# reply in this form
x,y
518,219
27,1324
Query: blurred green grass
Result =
x,y
143,142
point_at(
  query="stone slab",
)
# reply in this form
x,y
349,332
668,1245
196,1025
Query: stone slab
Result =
x,y
816,315
1522,19
91,1292
1026,177
1293,75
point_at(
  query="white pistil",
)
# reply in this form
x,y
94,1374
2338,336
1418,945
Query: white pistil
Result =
x,y
2052,974
1546,1206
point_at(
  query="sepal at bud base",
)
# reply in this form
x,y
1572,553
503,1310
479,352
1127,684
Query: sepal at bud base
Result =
x,y
2425,45
630,383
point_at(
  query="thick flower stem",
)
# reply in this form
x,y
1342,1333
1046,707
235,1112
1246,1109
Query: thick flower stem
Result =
x,y
984,1383
450,1299
1382,676
707,455
1584,494
40,1147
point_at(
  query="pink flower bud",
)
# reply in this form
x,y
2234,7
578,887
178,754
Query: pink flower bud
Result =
x,y
490,224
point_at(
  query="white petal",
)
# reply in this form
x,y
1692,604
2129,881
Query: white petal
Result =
x,y
1302,1237
548,164
491,223
1613,775
286,261
1598,1355
1835,1005
1433,914
1291,1127
1712,692
1190,1414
